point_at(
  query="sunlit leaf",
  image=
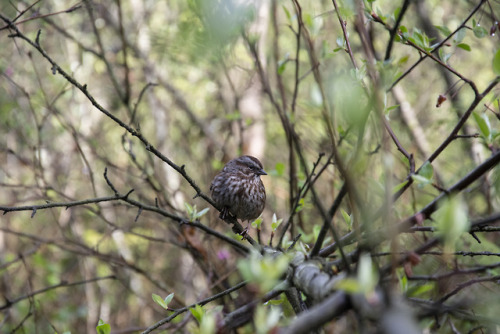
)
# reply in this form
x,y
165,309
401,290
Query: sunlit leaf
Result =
x,y
347,218
426,170
197,311
399,186
169,298
460,35
349,285
367,275
484,125
464,46
444,30
480,32
420,180
103,328
418,291
275,222
451,221
257,223
496,62
158,300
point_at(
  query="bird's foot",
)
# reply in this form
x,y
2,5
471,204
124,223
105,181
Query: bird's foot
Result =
x,y
224,213
244,233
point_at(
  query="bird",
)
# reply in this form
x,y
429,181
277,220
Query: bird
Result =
x,y
239,191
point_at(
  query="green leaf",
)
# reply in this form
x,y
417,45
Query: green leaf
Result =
x,y
417,291
347,217
496,62
158,300
464,46
484,126
404,32
103,328
287,13
366,279
189,208
459,36
403,60
403,282
197,311
235,116
282,63
340,42
275,223
399,186
349,285
451,221
265,271
420,180
281,67
201,213
266,319
426,170
280,169
367,275
169,298
300,206
257,223
444,30
443,55
480,32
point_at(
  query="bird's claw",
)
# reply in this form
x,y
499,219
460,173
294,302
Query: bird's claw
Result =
x,y
224,213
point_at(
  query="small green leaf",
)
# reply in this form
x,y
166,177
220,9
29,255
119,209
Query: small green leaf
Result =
x,y
280,168
349,285
443,55
169,298
300,206
417,291
235,116
367,275
451,221
189,208
103,328
464,46
480,32
444,30
282,63
484,125
201,213
420,180
403,282
275,223
403,60
281,67
496,62
257,223
399,186
347,218
404,32
340,42
460,35
197,311
158,300
287,13
426,170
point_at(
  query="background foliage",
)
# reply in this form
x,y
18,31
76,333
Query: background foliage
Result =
x,y
377,122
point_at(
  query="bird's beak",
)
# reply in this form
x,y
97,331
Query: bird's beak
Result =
x,y
261,172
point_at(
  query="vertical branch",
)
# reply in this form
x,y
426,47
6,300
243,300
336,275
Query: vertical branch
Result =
x,y
109,69
394,29
343,24
126,79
